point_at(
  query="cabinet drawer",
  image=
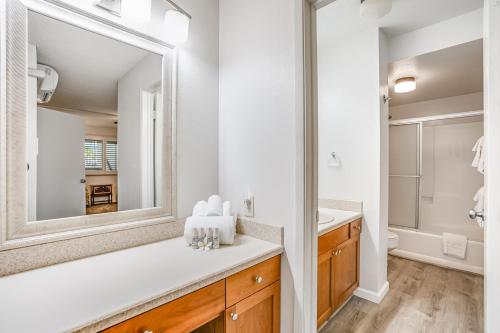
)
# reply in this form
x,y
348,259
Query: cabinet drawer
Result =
x,y
333,238
251,280
181,315
355,228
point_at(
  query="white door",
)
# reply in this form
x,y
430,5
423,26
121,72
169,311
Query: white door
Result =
x,y
61,165
492,174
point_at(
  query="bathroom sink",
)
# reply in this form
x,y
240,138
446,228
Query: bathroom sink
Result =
x,y
325,218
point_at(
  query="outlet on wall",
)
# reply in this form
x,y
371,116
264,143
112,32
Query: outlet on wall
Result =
x,y
248,205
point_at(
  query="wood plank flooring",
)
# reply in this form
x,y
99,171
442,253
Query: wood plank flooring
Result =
x,y
422,298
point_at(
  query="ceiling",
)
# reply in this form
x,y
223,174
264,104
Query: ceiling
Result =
x,y
341,17
457,70
89,65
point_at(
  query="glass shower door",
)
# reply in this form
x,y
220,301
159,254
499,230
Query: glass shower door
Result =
x,y
404,175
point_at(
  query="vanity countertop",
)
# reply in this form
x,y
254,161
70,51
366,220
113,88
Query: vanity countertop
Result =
x,y
341,217
116,286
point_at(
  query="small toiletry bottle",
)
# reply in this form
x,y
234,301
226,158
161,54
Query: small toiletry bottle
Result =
x,y
210,237
216,240
194,238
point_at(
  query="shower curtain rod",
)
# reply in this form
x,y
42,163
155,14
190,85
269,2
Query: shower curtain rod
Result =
x,y
438,117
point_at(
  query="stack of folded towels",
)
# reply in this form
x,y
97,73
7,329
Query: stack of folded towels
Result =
x,y
212,214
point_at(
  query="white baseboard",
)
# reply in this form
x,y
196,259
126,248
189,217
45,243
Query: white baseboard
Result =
x,y
437,261
375,297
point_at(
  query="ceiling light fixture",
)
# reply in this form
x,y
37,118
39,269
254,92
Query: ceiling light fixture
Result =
x,y
375,9
177,24
405,84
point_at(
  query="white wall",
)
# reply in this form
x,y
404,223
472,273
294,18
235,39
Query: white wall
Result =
x,y
351,124
256,120
458,30
198,106
146,75
462,103
197,144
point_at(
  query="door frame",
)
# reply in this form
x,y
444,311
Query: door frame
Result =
x,y
492,175
307,228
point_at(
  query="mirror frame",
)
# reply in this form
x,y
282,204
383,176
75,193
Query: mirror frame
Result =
x,y
15,231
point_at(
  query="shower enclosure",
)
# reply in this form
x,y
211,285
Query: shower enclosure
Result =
x,y
431,180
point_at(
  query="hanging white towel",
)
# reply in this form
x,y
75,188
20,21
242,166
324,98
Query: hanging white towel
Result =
x,y
479,161
479,199
454,245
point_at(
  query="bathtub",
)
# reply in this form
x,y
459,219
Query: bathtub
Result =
x,y
427,247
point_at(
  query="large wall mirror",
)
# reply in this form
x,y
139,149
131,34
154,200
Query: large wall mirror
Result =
x,y
88,132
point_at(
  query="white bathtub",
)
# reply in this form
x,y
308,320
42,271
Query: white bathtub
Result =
x,y
427,247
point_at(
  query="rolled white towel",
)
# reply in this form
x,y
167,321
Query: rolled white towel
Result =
x,y
226,208
214,206
200,209
225,224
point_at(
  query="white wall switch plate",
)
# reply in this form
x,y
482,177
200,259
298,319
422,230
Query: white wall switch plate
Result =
x,y
248,205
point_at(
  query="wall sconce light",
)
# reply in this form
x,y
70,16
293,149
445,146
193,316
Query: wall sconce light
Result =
x,y
177,24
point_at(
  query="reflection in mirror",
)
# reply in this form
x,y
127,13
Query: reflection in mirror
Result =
x,y
92,135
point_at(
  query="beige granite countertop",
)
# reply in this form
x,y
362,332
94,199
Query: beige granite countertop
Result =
x,y
101,291
340,218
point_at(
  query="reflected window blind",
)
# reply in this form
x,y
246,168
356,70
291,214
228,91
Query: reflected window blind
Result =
x,y
93,154
111,158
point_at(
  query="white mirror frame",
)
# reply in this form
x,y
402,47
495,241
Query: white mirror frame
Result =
x,y
15,231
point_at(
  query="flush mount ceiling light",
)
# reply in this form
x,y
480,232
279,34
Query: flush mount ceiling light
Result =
x,y
404,85
177,24
375,9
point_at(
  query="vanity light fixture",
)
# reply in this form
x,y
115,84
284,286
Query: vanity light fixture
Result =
x,y
375,9
405,84
177,24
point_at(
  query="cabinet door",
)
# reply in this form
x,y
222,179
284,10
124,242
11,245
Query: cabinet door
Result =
x,y
345,271
257,313
325,291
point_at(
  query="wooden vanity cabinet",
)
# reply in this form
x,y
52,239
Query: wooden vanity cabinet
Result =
x,y
338,268
257,313
248,301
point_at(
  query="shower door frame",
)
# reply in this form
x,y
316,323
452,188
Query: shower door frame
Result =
x,y
420,121
418,173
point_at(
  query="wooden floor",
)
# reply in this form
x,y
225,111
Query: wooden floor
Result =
x,y
102,208
422,298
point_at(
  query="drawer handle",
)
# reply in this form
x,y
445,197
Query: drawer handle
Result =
x,y
259,279
234,316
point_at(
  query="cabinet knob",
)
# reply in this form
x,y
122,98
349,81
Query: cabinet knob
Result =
x,y
335,252
234,316
357,227
259,279
148,331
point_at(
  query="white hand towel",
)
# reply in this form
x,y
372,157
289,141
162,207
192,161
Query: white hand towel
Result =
x,y
214,206
225,224
227,208
479,161
454,245
200,209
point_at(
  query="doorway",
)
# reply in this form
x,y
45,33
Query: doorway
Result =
x,y
312,123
